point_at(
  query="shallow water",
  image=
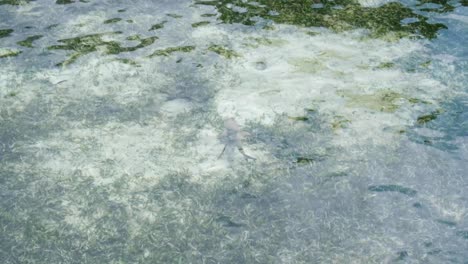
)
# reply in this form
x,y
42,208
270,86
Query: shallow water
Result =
x,y
113,131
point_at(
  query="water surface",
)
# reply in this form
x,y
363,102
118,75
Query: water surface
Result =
x,y
113,131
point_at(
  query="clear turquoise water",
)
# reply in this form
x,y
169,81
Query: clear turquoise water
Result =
x,y
121,125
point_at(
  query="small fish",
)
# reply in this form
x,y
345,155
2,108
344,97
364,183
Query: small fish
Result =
x,y
232,136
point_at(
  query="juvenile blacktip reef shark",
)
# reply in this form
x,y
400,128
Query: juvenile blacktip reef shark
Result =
x,y
233,136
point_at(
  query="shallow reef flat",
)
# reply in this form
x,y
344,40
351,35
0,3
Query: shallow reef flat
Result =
x,y
233,131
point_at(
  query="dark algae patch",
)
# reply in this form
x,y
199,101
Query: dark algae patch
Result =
x,y
157,26
11,94
13,2
133,37
29,40
83,45
298,118
129,62
52,26
386,65
304,160
112,20
64,2
208,15
392,188
169,51
427,118
201,23
450,120
225,52
174,15
339,122
380,20
383,100
10,53
5,32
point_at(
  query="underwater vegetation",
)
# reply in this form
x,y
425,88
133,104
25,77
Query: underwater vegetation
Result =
x,y
120,159
201,23
89,43
13,2
64,2
193,224
5,32
29,40
429,117
450,121
128,61
337,15
383,100
225,52
208,15
158,26
383,21
112,20
169,51
9,53
174,15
